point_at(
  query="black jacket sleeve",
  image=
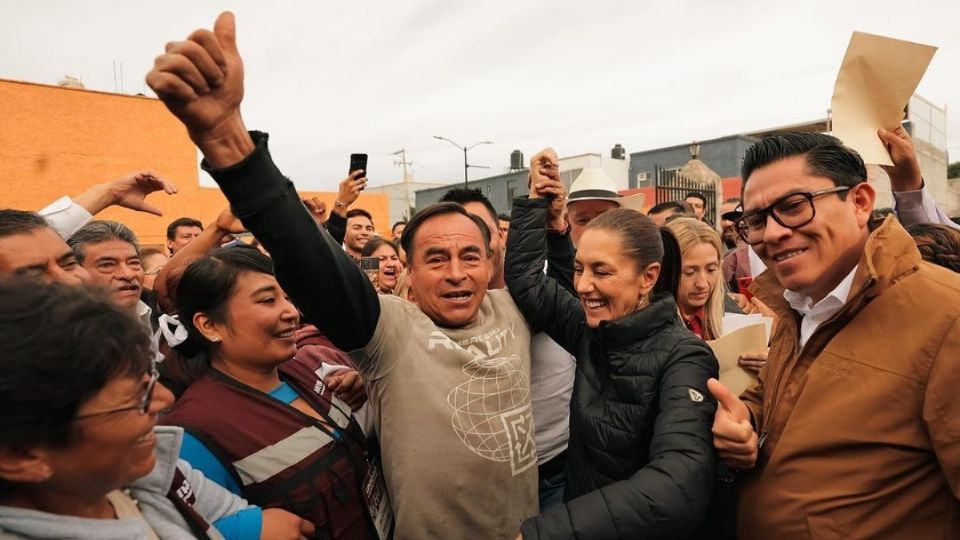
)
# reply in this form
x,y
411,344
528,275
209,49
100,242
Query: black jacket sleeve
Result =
x,y
669,497
312,268
337,227
560,255
546,305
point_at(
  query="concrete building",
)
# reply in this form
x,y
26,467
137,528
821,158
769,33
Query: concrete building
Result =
x,y
60,141
403,199
723,155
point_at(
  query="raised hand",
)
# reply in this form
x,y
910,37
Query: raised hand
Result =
x,y
350,188
544,166
201,81
317,209
905,175
733,436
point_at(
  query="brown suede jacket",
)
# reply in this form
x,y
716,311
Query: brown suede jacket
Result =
x,y
861,428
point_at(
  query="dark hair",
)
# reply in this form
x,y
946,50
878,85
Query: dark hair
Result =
x,y
503,216
401,222
59,346
938,244
664,206
96,232
207,285
825,155
20,222
878,216
467,195
375,244
645,243
359,212
435,210
181,222
696,195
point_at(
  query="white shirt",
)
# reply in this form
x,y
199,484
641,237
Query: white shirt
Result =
x,y
65,216
815,314
143,315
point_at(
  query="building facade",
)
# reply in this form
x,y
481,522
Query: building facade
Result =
x,y
60,141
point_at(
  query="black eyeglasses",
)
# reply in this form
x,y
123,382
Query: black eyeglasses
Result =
x,y
791,211
145,400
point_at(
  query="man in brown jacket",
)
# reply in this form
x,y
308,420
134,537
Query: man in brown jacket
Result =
x,y
853,428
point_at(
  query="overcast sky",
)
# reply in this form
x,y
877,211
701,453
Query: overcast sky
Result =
x,y
330,78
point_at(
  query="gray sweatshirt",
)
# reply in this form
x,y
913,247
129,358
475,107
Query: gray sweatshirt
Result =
x,y
213,502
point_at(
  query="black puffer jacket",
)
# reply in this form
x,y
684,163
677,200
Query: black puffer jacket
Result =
x,y
640,461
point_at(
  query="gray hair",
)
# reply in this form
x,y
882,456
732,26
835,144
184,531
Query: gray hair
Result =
x,y
101,231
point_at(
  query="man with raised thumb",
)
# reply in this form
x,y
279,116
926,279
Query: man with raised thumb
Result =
x,y
733,434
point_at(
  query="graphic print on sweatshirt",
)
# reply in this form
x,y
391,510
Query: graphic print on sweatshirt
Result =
x,y
491,410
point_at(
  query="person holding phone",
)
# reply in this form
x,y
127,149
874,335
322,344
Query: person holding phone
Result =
x,y
385,267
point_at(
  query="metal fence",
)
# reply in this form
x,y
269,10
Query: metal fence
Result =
x,y
672,186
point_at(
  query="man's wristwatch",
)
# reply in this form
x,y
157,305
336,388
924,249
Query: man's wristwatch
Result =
x,y
338,204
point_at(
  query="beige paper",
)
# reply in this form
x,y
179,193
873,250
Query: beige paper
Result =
x,y
876,80
728,350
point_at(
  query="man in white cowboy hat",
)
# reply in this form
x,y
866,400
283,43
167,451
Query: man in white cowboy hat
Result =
x,y
591,194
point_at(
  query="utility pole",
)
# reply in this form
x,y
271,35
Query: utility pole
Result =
x,y
466,165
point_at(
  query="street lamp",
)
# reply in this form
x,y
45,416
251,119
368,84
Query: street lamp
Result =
x,y
465,148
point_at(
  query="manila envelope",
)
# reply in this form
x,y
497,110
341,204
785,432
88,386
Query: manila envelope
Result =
x,y
728,349
877,77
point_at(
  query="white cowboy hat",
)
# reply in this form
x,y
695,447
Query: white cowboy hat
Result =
x,y
595,185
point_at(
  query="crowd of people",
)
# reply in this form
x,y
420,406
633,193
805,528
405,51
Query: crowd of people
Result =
x,y
541,374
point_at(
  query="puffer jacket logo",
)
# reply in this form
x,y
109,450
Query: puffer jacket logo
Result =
x,y
695,396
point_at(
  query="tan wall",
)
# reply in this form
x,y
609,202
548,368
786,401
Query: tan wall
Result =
x,y
58,141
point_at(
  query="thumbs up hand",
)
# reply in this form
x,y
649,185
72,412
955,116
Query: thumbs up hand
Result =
x,y
200,80
733,436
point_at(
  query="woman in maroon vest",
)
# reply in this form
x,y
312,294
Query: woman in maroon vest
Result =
x,y
260,422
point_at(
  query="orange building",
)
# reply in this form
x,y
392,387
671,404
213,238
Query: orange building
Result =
x,y
59,141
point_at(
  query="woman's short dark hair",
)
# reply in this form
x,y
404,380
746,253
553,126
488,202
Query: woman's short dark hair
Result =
x,y
938,244
207,285
645,243
826,156
59,346
375,244
435,210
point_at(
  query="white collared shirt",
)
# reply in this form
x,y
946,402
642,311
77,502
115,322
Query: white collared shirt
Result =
x,y
815,314
143,315
65,216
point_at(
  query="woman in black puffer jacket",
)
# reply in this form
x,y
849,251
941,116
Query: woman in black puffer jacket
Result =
x,y
640,461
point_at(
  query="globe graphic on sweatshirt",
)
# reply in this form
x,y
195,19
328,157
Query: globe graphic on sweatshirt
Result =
x,y
491,411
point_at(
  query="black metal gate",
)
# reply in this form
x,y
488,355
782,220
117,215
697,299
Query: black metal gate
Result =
x,y
672,186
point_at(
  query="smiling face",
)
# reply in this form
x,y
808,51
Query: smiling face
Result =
x,y
449,269
581,213
698,277
359,232
608,282
390,267
115,265
112,450
42,254
812,259
259,326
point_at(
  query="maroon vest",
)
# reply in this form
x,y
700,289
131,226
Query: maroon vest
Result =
x,y
281,457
